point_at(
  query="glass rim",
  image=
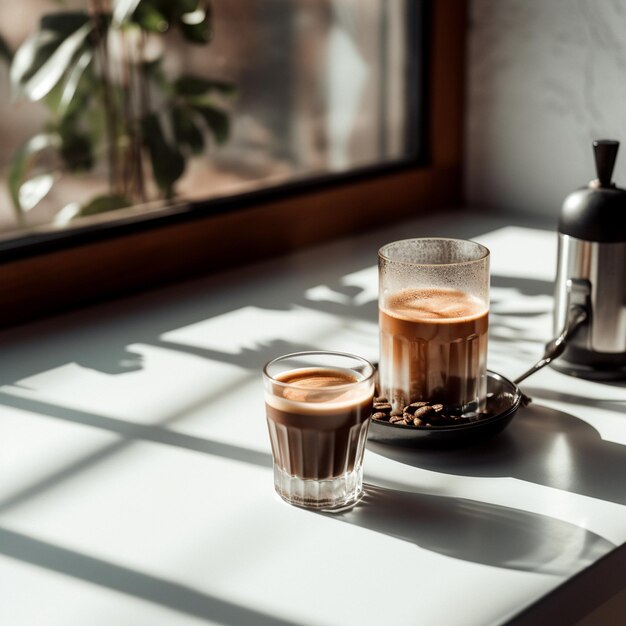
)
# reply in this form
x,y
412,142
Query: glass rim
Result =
x,y
308,353
485,252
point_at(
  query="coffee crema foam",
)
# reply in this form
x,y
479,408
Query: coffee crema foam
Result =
x,y
434,305
317,390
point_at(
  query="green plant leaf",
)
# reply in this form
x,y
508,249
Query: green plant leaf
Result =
x,y
216,120
186,132
34,190
22,162
51,72
76,149
41,62
63,23
30,56
123,9
185,6
74,91
201,33
168,163
5,51
102,204
151,19
188,85
172,10
67,213
196,25
70,87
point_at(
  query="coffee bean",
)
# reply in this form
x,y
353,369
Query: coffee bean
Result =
x,y
411,408
381,399
395,413
396,418
437,408
417,422
380,416
422,411
382,406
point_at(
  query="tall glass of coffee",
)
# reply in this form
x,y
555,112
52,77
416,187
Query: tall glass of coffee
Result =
x,y
318,406
433,316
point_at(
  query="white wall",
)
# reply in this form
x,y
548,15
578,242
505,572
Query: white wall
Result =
x,y
545,78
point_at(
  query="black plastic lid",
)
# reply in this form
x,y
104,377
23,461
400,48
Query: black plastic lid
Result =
x,y
597,212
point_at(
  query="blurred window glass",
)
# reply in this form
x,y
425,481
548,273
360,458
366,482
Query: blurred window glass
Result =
x,y
111,108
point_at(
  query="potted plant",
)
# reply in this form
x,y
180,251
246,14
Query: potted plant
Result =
x,y
100,72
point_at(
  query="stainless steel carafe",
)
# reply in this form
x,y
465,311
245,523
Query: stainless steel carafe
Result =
x,y
591,275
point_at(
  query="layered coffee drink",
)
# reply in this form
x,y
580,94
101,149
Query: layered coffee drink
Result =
x,y
434,348
317,419
318,406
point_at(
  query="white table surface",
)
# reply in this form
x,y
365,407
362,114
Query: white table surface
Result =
x,y
135,469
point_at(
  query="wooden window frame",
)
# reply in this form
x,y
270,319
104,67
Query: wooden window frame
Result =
x,y
48,279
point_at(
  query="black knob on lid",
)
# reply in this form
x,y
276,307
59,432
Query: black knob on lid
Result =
x,y
605,153
597,212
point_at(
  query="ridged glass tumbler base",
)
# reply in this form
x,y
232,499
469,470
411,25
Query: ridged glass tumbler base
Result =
x,y
331,493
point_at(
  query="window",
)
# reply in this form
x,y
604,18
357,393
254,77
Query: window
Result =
x,y
271,192
157,120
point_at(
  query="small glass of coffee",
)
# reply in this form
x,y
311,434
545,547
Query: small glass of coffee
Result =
x,y
318,406
433,317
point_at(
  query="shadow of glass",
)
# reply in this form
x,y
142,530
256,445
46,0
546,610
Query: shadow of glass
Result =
x,y
159,591
542,446
477,531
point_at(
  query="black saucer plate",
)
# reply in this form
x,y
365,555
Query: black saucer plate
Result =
x,y
503,400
